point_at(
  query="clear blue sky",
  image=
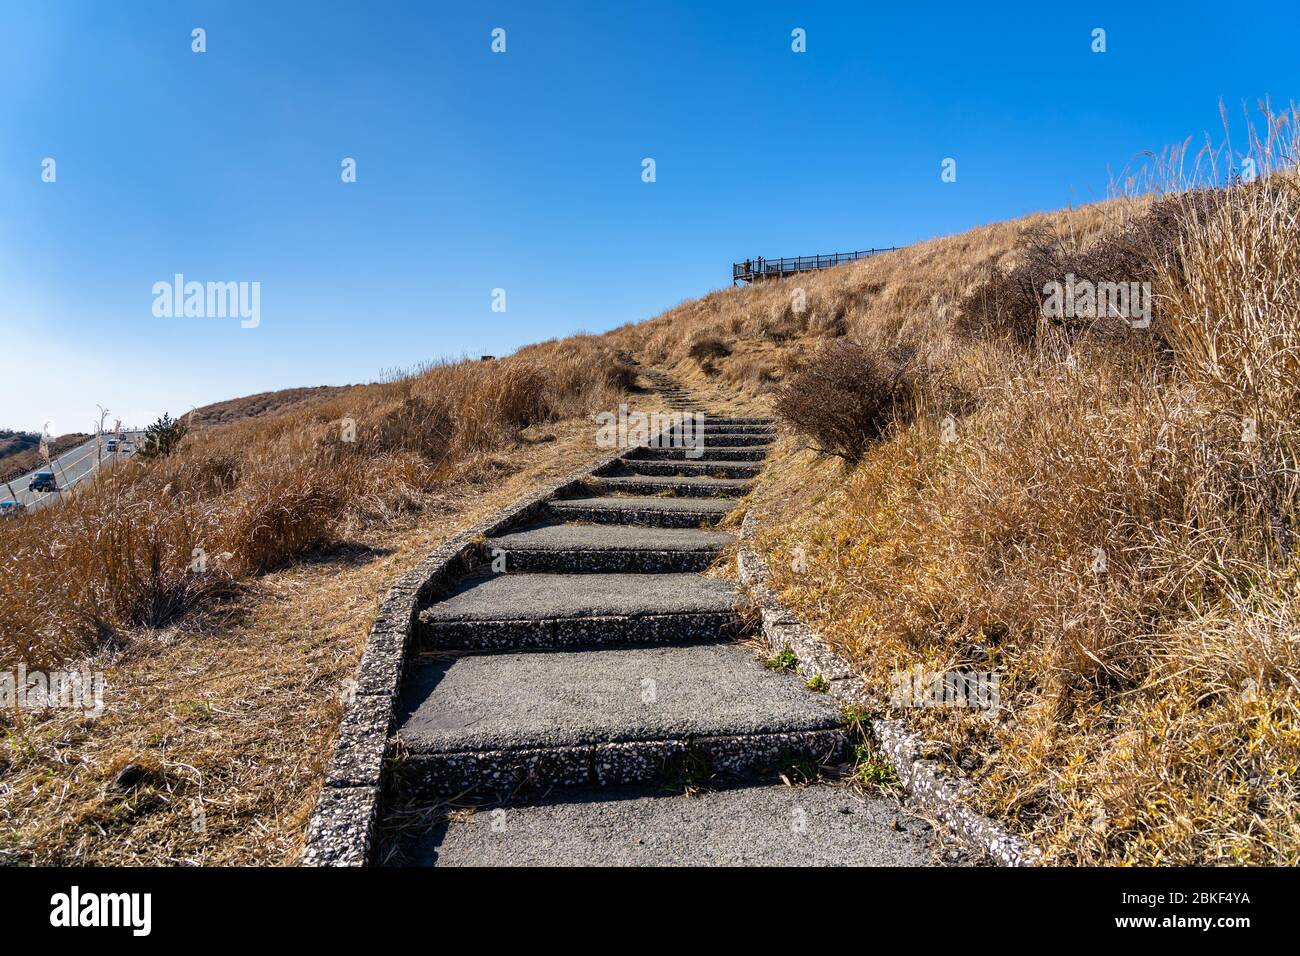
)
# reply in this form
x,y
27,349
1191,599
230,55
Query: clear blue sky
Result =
x,y
523,170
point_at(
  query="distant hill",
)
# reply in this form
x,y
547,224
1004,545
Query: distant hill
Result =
x,y
251,406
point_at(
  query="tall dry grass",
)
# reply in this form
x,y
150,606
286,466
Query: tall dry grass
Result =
x,y
149,542
1112,531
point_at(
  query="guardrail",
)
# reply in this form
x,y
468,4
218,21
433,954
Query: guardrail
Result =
x,y
751,270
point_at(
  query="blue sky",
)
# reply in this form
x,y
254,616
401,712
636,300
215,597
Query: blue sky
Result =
x,y
522,170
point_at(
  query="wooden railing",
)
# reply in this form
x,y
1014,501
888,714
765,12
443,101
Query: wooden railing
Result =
x,y
752,270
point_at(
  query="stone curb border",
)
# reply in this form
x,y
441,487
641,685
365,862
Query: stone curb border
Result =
x,y
342,826
931,785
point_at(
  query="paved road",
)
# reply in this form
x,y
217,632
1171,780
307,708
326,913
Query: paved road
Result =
x,y
70,469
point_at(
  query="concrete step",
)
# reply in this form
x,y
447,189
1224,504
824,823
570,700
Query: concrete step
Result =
x,y
772,825
681,486
713,469
528,611
656,512
727,439
606,548
709,427
506,724
721,453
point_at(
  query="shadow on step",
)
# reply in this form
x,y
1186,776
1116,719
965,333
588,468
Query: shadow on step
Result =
x,y
827,823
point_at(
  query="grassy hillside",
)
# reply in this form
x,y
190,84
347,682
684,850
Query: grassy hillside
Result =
x,y
225,676
254,495
1105,516
251,406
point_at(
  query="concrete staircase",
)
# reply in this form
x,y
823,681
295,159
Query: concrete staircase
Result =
x,y
582,686
674,396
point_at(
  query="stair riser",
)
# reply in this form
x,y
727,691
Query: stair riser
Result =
x,y
700,447
514,773
687,469
607,562
709,428
644,518
730,439
757,453
577,632
658,486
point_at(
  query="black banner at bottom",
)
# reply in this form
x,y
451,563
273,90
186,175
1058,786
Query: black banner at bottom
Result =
x,y
332,907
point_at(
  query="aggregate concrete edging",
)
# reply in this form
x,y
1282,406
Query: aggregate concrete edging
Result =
x,y
519,771
685,469
558,633
646,561
341,829
930,785
647,517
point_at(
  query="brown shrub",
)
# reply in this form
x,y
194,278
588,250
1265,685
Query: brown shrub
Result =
x,y
420,426
779,329
848,396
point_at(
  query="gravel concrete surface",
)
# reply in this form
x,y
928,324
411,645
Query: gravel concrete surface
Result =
x,y
678,481
820,825
718,506
560,536
539,597
500,701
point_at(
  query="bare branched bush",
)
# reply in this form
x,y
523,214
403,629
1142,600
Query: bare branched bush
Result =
x,y
849,396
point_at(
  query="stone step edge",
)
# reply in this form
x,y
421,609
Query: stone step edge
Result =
x,y
527,769
643,517
682,486
573,633
604,561
650,468
756,453
931,786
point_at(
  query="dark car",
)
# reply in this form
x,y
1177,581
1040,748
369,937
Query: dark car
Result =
x,y
43,481
11,509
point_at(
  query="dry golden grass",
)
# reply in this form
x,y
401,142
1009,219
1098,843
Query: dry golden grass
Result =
x,y
235,713
1112,531
223,675
150,541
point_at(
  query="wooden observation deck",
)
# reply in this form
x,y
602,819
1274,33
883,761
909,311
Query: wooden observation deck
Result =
x,y
752,270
